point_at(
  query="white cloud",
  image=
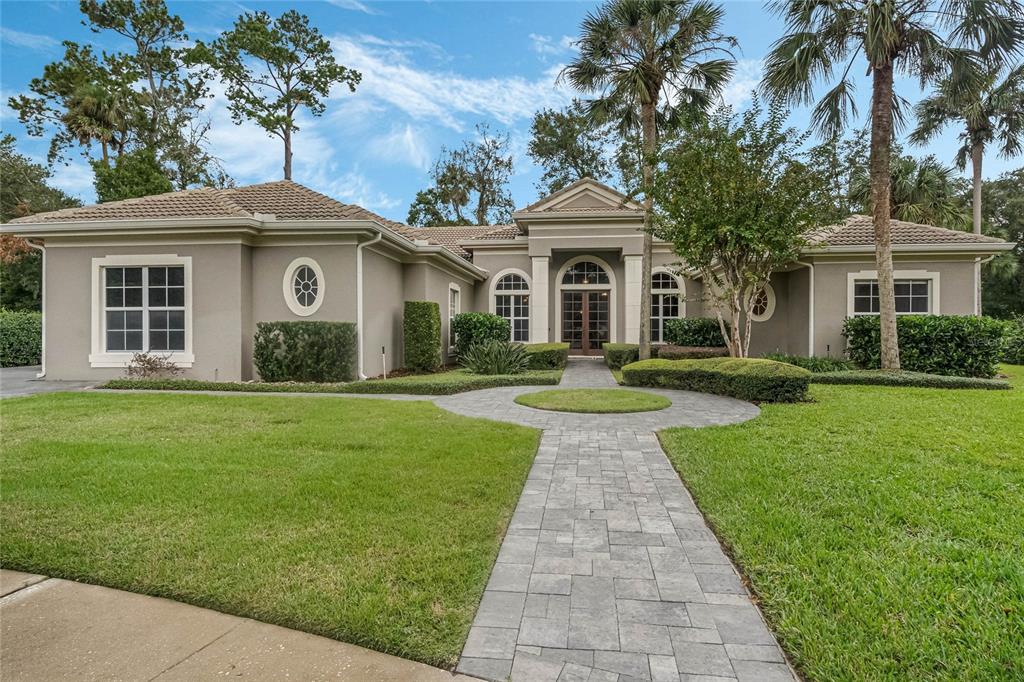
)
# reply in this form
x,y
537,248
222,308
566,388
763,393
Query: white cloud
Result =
x,y
745,79
404,145
75,178
353,5
549,46
31,41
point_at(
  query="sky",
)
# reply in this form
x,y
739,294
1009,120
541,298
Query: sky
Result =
x,y
430,72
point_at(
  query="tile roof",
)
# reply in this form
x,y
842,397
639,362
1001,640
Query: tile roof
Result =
x,y
858,230
451,236
568,188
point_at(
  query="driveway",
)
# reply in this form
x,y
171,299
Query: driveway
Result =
x,y
21,381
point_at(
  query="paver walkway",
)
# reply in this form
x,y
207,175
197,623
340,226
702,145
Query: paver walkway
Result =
x,y
608,571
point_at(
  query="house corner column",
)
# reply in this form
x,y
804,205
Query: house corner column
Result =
x,y
539,297
633,287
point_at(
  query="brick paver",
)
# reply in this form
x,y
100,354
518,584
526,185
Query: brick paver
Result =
x,y
608,570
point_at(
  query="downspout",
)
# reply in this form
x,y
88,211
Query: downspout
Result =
x,y
978,262
810,309
359,298
42,297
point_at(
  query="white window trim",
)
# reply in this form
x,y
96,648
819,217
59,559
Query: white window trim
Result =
x,y
99,357
681,292
770,310
289,292
933,289
613,327
492,295
452,286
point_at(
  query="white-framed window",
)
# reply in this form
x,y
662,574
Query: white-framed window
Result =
x,y
303,286
512,301
141,304
666,302
916,292
763,306
454,308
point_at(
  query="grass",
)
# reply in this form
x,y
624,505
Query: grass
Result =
x,y
595,400
883,528
438,383
339,517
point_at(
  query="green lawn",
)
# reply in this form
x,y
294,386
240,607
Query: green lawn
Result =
x,y
883,528
594,400
374,522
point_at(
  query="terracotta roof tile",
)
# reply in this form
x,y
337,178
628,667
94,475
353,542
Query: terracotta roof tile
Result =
x,y
450,236
858,230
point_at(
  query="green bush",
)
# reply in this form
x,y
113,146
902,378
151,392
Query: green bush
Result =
x,y
617,355
305,351
813,363
421,333
694,331
955,345
670,352
495,357
21,338
743,378
547,355
877,377
1013,341
473,328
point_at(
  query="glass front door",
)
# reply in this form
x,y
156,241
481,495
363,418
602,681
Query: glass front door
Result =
x,y
585,321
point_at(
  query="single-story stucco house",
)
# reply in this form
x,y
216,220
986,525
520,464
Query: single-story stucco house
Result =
x,y
191,273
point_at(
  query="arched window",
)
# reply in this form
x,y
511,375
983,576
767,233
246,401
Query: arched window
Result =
x,y
665,305
763,307
512,301
585,272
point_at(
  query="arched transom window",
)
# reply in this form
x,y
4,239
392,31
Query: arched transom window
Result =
x,y
585,273
665,295
512,301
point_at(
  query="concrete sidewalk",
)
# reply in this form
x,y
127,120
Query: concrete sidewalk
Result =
x,y
54,629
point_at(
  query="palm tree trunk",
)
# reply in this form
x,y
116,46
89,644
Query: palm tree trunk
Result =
x,y
287,153
881,141
650,132
977,152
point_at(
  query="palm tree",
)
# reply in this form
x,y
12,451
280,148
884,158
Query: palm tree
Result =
x,y
922,191
650,64
93,113
892,36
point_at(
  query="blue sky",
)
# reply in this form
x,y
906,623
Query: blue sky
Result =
x,y
431,71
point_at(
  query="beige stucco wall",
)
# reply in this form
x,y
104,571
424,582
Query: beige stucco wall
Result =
x,y
382,312
428,282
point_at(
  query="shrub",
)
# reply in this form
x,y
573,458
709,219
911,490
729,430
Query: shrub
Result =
x,y
812,363
670,352
421,333
877,377
955,345
21,338
473,328
1013,341
743,378
149,366
495,357
547,355
617,355
694,331
305,351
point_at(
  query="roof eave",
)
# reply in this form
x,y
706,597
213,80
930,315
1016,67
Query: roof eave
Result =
x,y
973,248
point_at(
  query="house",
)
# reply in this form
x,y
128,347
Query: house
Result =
x,y
189,274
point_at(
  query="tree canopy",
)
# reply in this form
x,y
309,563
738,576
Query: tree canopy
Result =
x,y
568,146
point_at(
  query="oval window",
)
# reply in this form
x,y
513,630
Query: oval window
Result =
x,y
303,286
763,306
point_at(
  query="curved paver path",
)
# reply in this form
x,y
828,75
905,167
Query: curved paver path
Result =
x,y
608,570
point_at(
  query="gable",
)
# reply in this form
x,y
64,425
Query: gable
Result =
x,y
584,195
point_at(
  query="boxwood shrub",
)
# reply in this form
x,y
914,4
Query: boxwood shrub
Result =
x,y
694,331
547,355
617,355
305,351
1013,341
877,377
670,352
813,363
744,378
21,338
954,345
473,328
421,333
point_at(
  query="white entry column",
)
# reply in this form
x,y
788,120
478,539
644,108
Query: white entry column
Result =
x,y
634,281
539,300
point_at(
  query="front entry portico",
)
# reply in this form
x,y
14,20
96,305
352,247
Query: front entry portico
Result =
x,y
586,305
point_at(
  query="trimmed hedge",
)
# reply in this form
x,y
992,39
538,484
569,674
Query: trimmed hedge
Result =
x,y
21,338
305,351
421,333
473,328
694,331
670,352
877,377
744,378
547,355
1013,341
954,345
617,355
813,363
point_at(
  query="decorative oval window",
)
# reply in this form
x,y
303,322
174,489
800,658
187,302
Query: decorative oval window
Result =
x,y
763,307
303,286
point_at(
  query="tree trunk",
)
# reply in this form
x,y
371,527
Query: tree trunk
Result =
x,y
881,141
287,153
977,152
650,133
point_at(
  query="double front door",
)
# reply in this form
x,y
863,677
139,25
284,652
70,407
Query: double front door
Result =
x,y
585,321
